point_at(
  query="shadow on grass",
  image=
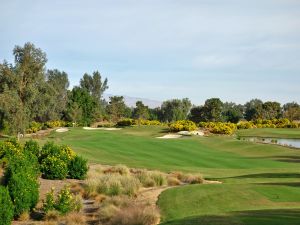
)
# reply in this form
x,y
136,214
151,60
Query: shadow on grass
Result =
x,y
289,159
289,184
267,175
258,217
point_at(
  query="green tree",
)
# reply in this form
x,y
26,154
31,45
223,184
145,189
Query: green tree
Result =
x,y
176,109
291,111
254,110
116,108
271,110
141,111
232,113
213,108
81,102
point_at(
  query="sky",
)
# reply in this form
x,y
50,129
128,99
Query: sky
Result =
x,y
163,49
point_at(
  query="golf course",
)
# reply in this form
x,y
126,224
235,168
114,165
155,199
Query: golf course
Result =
x,y
260,182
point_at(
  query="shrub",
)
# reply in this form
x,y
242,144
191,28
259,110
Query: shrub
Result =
x,y
78,168
32,147
54,168
6,207
56,123
49,202
66,202
125,123
34,127
183,125
24,192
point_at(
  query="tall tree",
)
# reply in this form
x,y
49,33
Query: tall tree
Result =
x,y
94,84
140,111
271,110
291,111
80,99
232,112
213,108
23,81
254,110
57,84
175,109
116,108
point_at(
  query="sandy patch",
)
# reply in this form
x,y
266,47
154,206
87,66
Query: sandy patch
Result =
x,y
61,130
170,136
102,128
190,133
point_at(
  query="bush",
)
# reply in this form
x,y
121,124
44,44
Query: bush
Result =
x,y
54,168
32,147
125,123
24,192
183,125
6,207
78,168
34,127
56,123
49,202
219,127
64,203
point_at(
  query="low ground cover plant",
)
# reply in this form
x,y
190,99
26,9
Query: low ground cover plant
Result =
x,y
219,127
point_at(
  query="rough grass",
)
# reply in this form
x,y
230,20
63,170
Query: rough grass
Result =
x,y
251,173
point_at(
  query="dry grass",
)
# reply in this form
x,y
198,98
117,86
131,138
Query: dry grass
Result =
x,y
187,178
75,219
136,215
150,178
24,217
173,181
119,169
52,215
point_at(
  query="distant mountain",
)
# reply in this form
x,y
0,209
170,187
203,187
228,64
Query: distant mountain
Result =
x,y
130,101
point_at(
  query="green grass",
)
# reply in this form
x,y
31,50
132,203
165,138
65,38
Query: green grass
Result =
x,y
260,182
270,132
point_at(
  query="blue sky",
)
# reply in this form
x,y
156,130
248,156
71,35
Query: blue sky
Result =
x,y
163,49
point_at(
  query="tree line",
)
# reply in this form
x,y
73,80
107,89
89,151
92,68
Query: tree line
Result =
x,y
31,92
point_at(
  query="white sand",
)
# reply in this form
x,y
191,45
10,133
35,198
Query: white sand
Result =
x,y
61,130
189,133
102,128
170,136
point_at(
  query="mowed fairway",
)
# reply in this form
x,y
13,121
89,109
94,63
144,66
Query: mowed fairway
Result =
x,y
261,183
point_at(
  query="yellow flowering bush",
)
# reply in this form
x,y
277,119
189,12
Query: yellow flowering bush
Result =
x,y
182,125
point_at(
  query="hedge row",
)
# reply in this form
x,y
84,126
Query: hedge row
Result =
x,y
274,123
132,122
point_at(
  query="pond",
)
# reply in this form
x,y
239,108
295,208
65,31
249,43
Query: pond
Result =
x,y
294,143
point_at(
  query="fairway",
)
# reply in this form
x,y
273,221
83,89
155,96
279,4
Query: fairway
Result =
x,y
260,182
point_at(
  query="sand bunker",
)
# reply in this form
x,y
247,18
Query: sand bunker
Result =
x,y
61,130
170,136
190,133
102,128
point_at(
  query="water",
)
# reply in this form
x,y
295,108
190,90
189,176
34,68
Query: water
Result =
x,y
295,143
